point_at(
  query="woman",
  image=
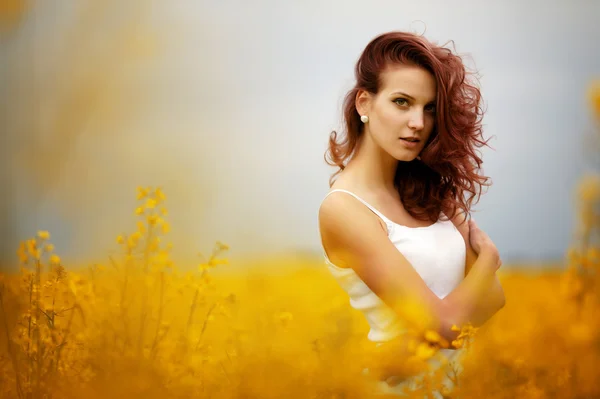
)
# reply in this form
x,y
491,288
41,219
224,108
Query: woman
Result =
x,y
394,226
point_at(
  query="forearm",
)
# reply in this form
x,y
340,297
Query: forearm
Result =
x,y
489,304
467,302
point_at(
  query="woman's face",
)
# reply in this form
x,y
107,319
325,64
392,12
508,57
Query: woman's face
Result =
x,y
403,110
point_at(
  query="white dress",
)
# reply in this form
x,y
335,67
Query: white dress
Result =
x,y
437,252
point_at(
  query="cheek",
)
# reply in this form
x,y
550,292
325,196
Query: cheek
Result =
x,y
430,123
385,115
393,118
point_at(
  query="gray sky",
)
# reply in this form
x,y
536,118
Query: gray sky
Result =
x,y
228,106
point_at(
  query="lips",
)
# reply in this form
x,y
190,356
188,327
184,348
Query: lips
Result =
x,y
410,139
409,144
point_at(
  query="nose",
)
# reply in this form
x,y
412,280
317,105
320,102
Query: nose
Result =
x,y
416,120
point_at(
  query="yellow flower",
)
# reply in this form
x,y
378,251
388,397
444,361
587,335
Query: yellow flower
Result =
x,y
589,189
150,203
49,248
141,227
160,194
162,257
22,252
424,351
31,246
43,235
166,228
164,211
136,236
215,262
120,239
454,327
203,266
432,336
152,219
153,246
139,211
142,193
55,260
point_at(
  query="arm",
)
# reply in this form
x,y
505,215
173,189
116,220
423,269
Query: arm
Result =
x,y
361,243
479,296
491,298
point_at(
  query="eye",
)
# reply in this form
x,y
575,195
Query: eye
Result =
x,y
404,100
430,108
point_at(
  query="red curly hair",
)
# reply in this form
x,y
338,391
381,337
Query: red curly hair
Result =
x,y
446,178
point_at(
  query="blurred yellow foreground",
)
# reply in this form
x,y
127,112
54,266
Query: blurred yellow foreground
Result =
x,y
138,327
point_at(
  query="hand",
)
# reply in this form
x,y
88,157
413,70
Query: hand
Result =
x,y
480,242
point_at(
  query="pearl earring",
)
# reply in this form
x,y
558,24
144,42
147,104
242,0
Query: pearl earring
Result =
x,y
364,118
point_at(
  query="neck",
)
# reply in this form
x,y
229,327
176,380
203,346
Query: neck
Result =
x,y
372,167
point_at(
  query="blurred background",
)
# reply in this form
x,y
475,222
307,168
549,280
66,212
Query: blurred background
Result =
x,y
228,107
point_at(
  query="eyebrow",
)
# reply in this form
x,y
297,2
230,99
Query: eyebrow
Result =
x,y
409,96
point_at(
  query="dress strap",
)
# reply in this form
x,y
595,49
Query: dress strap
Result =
x,y
387,221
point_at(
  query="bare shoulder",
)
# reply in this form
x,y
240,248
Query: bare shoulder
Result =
x,y
338,209
343,219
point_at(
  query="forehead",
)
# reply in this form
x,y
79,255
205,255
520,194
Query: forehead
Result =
x,y
412,80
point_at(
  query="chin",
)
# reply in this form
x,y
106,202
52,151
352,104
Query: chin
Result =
x,y
406,157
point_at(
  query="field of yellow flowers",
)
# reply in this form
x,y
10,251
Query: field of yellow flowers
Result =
x,y
139,327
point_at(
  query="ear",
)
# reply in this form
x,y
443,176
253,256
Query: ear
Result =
x,y
363,102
